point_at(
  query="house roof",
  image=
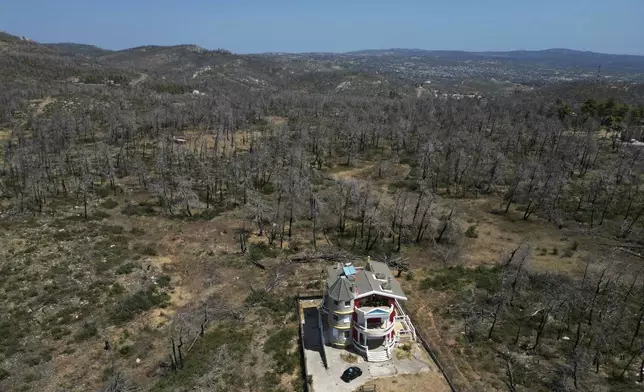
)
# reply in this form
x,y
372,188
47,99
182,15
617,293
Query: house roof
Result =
x,y
341,290
347,282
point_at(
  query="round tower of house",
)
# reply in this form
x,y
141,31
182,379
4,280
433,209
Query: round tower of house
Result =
x,y
339,303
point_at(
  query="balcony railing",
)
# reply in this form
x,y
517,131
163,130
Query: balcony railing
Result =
x,y
408,328
366,309
380,331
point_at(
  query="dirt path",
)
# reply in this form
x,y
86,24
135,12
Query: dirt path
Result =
x,y
142,77
40,109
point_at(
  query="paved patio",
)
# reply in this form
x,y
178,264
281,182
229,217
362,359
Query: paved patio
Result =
x,y
329,379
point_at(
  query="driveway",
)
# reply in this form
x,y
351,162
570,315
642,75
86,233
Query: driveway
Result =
x,y
329,379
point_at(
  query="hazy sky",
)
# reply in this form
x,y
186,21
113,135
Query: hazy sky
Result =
x,y
610,26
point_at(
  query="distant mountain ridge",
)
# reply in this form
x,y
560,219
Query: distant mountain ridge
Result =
x,y
415,51
71,48
556,57
376,71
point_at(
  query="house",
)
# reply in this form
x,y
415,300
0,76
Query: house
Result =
x,y
362,309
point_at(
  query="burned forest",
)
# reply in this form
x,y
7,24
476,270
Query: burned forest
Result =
x,y
161,207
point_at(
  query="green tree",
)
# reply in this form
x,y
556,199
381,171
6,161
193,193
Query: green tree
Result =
x,y
563,111
589,108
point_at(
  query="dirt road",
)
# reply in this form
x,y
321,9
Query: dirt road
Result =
x,y
142,77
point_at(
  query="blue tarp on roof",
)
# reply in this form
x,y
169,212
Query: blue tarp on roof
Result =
x,y
349,270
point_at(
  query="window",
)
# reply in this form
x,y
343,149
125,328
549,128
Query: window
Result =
x,y
347,303
346,334
342,319
335,332
335,302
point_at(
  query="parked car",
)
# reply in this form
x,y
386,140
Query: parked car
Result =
x,y
351,374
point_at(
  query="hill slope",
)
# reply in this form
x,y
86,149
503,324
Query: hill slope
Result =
x,y
73,49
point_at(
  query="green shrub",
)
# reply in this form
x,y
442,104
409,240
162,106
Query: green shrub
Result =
x,y
270,380
409,184
88,330
125,350
268,188
137,231
45,355
125,269
103,191
29,378
208,214
139,302
315,284
108,372
4,374
279,306
258,252
164,281
98,215
65,235
145,249
113,229
31,360
109,204
471,232
58,332
297,385
555,251
141,209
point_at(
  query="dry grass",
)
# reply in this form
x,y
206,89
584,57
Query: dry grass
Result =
x,y
203,141
41,104
5,134
404,351
349,358
276,120
498,234
425,382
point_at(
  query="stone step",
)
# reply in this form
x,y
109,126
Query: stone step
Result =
x,y
378,356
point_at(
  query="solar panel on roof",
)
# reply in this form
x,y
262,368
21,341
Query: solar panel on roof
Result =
x,y
349,270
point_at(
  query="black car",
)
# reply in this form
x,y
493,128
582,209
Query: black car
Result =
x,y
351,374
